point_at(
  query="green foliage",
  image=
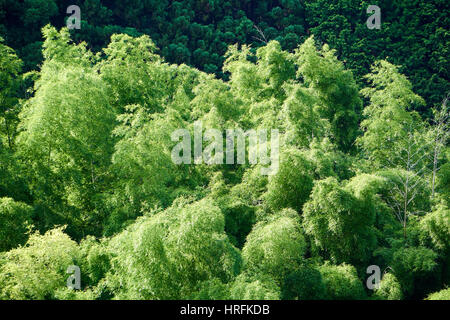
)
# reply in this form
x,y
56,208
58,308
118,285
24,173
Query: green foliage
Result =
x,y
86,142
335,88
389,125
70,294
389,288
252,186
212,289
198,32
441,295
141,165
327,161
341,282
304,284
15,223
275,247
437,225
65,132
239,221
376,190
131,69
443,184
291,186
167,255
10,80
341,225
94,261
38,11
244,287
254,288
38,269
301,110
11,67
415,269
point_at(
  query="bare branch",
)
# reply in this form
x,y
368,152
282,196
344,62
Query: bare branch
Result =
x,y
261,34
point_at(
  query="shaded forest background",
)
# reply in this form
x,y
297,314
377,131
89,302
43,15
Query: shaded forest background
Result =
x,y
414,34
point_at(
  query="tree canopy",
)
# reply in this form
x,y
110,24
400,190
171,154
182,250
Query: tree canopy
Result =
x,y
87,176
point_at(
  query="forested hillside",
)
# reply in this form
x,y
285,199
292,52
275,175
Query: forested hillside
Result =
x,y
414,33
87,170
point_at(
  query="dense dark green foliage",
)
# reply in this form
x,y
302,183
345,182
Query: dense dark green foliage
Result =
x,y
306,283
414,34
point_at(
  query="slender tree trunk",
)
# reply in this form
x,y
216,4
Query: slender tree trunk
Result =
x,y
405,209
7,133
433,182
404,229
